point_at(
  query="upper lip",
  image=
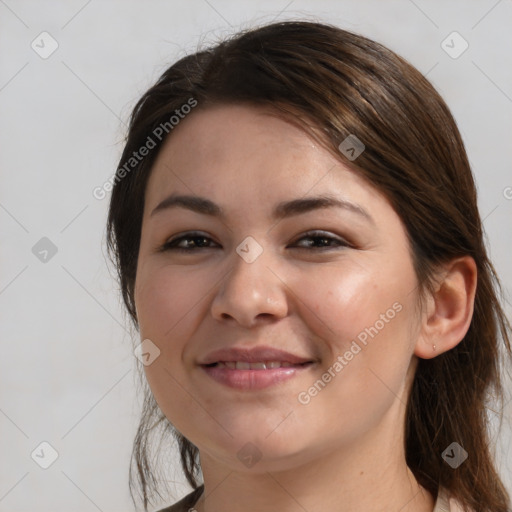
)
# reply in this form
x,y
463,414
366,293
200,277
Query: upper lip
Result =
x,y
253,355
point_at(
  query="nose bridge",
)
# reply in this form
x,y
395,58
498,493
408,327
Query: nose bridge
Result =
x,y
249,288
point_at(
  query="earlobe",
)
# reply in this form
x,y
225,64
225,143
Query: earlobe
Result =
x,y
449,309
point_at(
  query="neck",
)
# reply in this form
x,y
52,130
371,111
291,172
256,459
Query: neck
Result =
x,y
348,479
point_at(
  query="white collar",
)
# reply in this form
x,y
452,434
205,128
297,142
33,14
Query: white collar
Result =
x,y
446,504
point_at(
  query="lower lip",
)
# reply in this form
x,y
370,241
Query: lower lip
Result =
x,y
253,379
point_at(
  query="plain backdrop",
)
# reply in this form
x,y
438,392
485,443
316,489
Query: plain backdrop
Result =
x,y
67,371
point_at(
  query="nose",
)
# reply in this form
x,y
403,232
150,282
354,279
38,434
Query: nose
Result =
x,y
250,293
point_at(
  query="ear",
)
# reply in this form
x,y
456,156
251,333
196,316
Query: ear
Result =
x,y
449,309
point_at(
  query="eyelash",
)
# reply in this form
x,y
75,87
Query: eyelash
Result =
x,y
171,244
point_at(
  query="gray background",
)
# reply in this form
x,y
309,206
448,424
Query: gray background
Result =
x,y
67,371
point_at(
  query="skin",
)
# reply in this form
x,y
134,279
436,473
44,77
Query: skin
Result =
x,y
344,449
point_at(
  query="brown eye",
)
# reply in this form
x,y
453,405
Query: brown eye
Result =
x,y
194,241
188,242
322,240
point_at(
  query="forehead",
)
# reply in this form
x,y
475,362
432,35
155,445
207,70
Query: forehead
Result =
x,y
234,134
224,142
245,155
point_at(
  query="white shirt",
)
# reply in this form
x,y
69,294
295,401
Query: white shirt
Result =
x,y
446,504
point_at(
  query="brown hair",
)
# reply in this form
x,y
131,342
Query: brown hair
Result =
x,y
335,83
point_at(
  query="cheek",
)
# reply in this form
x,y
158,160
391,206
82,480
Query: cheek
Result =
x,y
364,317
164,298
343,301
168,307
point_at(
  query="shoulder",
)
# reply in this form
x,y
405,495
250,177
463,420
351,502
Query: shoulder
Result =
x,y
445,503
185,503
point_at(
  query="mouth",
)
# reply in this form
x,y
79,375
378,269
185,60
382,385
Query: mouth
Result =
x,y
258,365
254,376
255,368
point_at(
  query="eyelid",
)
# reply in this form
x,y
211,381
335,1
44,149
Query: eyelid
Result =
x,y
183,235
319,233
313,233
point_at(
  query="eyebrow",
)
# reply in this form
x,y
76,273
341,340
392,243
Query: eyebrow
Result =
x,y
282,210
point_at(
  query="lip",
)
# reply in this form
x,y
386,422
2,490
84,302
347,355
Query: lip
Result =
x,y
253,355
253,380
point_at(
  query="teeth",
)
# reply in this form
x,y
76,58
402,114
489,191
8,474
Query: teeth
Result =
x,y
243,365
258,366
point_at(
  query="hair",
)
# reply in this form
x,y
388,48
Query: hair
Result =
x,y
334,83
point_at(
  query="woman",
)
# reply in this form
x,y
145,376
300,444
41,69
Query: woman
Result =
x,y
295,227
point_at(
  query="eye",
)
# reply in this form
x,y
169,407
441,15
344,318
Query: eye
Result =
x,y
323,239
317,240
199,241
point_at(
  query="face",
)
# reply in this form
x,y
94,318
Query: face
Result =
x,y
318,298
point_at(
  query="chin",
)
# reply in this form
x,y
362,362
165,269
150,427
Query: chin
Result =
x,y
257,456
256,450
